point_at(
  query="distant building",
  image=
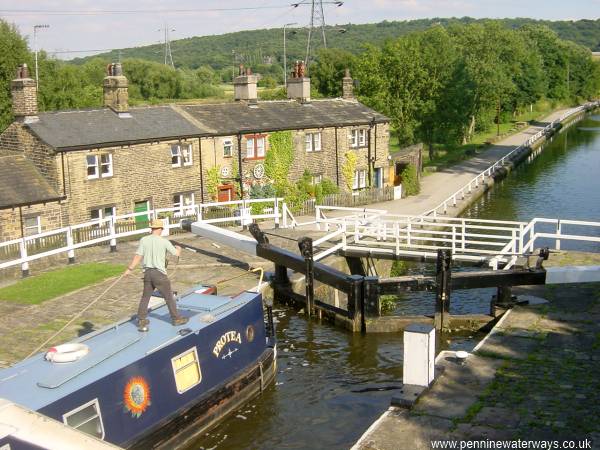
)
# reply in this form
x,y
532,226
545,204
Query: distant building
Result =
x,y
69,167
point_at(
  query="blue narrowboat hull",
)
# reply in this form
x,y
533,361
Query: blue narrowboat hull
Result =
x,y
143,404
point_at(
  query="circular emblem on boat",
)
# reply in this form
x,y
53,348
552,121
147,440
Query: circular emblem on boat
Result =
x,y
136,396
250,333
226,171
259,171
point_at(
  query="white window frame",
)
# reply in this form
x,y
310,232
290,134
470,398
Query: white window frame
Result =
x,y
260,147
360,179
317,178
176,153
102,212
82,407
37,227
197,361
186,154
312,142
227,144
354,138
362,137
89,164
98,164
181,205
250,142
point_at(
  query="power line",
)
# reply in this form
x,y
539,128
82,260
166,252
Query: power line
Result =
x,y
98,12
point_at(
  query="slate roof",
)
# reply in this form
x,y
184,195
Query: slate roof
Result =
x,y
66,130
79,129
231,118
22,184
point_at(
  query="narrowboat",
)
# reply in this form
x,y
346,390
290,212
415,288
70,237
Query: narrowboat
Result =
x,y
156,389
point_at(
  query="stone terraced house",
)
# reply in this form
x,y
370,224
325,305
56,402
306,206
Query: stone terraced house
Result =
x,y
68,167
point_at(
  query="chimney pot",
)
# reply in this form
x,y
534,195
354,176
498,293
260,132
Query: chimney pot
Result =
x,y
24,95
347,86
298,86
116,92
245,85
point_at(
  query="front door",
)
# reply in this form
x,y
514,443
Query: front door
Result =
x,y
225,193
141,221
378,177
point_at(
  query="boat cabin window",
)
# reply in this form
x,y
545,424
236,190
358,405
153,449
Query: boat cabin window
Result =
x,y
186,369
86,418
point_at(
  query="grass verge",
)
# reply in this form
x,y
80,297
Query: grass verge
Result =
x,y
35,290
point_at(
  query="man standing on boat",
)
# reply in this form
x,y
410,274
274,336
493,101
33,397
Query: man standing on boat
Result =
x,y
152,252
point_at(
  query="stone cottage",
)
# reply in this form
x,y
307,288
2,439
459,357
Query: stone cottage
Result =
x,y
69,167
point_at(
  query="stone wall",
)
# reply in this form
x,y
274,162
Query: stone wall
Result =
x,y
10,219
140,172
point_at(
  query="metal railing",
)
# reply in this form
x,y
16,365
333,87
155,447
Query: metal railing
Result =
x,y
108,230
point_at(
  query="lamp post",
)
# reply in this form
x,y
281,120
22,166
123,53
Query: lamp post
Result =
x,y
35,47
284,55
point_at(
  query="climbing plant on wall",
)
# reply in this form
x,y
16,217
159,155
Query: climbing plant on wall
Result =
x,y
279,159
213,179
348,169
410,180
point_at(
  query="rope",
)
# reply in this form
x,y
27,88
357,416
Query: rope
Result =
x,y
75,317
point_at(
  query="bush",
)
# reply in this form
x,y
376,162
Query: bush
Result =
x,y
410,180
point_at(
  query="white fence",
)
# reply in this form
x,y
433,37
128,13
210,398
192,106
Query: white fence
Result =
x,y
110,229
480,178
497,242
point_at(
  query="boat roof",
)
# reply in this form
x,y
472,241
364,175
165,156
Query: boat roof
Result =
x,y
36,382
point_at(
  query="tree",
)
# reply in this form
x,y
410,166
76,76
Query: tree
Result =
x,y
13,48
327,73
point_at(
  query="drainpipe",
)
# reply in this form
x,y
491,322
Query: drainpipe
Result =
x,y
337,161
62,163
370,164
239,139
201,174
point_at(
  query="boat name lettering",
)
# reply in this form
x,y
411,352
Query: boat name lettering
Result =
x,y
230,336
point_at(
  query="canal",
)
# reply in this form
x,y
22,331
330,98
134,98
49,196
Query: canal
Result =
x,y
331,385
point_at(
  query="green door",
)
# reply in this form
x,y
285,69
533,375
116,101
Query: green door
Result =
x,y
141,221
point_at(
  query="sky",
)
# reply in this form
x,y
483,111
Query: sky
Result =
x,y
78,26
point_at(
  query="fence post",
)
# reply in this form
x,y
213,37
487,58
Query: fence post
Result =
x,y
276,209
199,213
113,235
521,239
24,264
284,214
165,231
317,214
356,302
453,238
442,301
558,232
305,245
371,294
464,231
71,251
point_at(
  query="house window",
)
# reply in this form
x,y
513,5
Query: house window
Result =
x,y
227,148
32,225
102,213
313,142
255,147
99,166
186,369
86,418
181,155
358,138
316,179
184,202
360,179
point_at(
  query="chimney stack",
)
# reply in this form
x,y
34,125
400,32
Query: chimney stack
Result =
x,y
24,96
298,86
116,94
347,86
245,85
